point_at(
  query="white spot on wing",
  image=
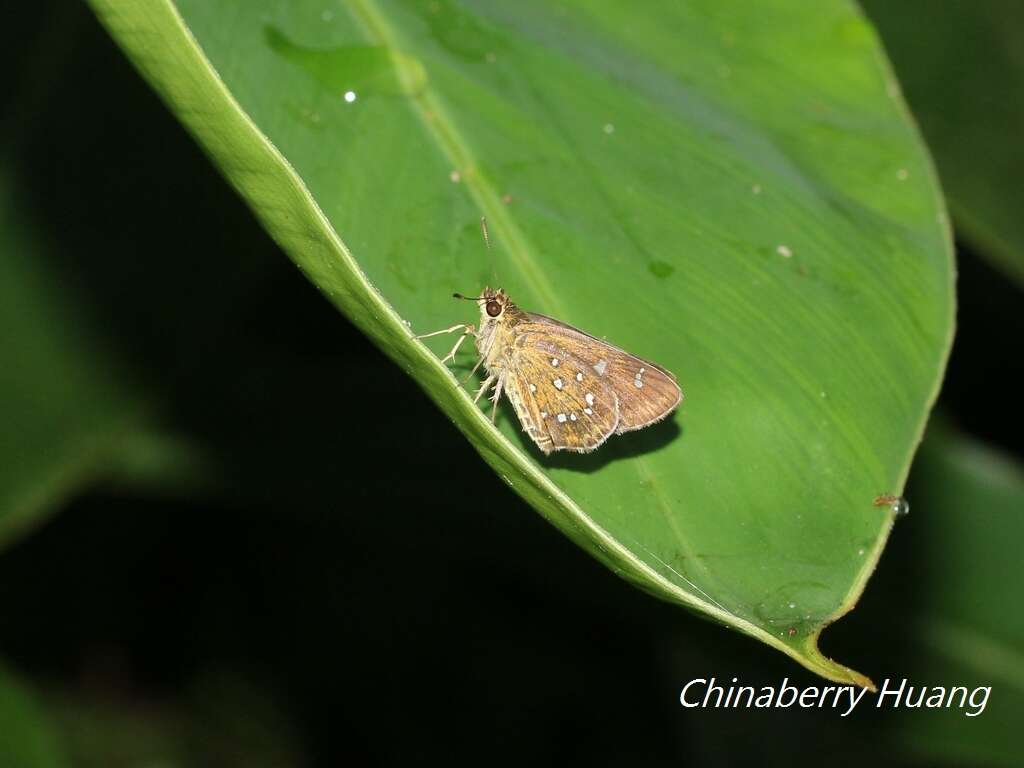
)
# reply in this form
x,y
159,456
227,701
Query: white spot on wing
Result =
x,y
557,383
639,384
572,417
561,418
579,376
588,411
554,362
533,387
590,399
601,365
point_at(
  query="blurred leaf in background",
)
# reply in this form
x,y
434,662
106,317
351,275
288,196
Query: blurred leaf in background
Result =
x,y
28,738
75,408
73,413
90,360
961,66
66,404
67,401
968,625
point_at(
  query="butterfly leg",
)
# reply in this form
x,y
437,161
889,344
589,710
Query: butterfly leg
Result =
x,y
468,330
494,399
484,387
451,355
444,331
475,369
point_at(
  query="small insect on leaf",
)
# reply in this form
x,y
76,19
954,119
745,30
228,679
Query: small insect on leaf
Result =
x,y
897,504
571,391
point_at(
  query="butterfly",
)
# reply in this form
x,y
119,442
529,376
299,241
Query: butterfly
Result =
x,y
571,391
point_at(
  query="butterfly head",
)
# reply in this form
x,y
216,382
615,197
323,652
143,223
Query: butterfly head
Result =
x,y
493,304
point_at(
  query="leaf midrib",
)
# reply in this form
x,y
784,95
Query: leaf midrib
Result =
x,y
442,128
439,125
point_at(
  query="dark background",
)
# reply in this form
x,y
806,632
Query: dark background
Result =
x,y
354,584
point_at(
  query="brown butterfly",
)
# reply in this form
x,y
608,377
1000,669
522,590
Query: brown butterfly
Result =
x,y
570,390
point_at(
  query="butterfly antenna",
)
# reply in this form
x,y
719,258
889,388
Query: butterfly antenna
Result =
x,y
487,243
483,228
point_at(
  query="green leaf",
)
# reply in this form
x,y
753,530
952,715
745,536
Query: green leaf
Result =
x,y
964,78
969,631
27,739
67,405
217,718
738,196
72,412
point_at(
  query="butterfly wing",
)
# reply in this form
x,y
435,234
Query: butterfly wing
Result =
x,y
560,401
646,392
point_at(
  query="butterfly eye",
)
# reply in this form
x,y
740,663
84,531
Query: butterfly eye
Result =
x,y
493,308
